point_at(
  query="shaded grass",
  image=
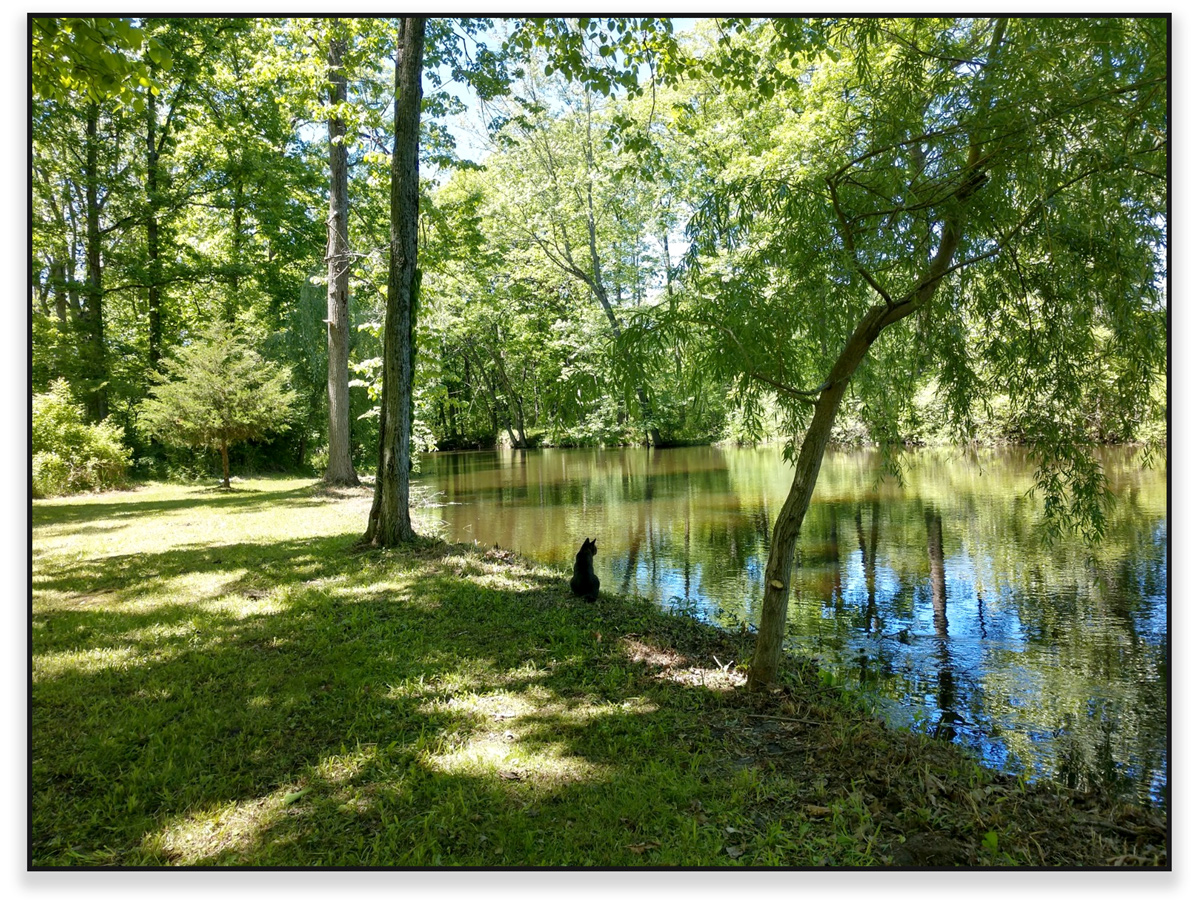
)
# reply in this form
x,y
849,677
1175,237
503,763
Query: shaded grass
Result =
x,y
225,680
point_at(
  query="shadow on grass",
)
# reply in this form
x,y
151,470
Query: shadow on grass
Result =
x,y
416,707
253,565
248,498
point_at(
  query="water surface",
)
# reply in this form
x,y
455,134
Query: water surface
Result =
x,y
938,594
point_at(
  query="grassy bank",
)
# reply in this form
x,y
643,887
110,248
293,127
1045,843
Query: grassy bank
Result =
x,y
222,679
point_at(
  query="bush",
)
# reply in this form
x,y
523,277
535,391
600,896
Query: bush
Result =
x,y
68,453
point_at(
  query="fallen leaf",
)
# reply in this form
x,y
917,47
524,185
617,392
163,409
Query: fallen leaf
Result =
x,y
641,847
816,810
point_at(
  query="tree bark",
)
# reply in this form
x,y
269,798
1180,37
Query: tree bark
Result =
x,y
154,293
340,469
389,522
768,647
92,341
58,281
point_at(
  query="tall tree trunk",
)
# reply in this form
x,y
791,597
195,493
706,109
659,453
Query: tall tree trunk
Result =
x,y
232,302
92,348
154,294
389,522
58,281
340,470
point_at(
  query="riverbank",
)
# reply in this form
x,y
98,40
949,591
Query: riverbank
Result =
x,y
224,679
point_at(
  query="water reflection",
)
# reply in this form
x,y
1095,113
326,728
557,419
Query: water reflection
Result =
x,y
938,594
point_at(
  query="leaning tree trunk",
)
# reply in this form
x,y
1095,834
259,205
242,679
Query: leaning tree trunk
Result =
x,y
768,647
389,522
340,470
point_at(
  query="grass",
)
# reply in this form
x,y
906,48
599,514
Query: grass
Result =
x,y
223,679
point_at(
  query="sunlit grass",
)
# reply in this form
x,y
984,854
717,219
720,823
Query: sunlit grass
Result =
x,y
224,679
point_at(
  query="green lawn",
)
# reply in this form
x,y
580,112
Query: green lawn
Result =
x,y
223,679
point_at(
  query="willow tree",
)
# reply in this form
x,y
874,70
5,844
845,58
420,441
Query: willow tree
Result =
x,y
977,202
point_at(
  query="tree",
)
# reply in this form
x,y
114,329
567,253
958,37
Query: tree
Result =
x,y
340,469
189,42
973,201
216,392
390,522
579,206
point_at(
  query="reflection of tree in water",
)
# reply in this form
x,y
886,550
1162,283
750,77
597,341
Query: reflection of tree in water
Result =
x,y
1042,632
868,547
946,690
687,544
819,556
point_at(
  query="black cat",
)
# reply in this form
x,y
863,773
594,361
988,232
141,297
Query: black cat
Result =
x,y
585,582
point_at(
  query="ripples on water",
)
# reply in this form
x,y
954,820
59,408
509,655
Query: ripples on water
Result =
x,y
938,595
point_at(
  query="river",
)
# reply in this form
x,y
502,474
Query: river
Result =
x,y
937,595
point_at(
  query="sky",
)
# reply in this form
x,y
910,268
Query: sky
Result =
x,y
469,130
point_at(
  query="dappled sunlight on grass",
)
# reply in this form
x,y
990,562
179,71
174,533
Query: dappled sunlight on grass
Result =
x,y
233,828
243,699
516,766
87,661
